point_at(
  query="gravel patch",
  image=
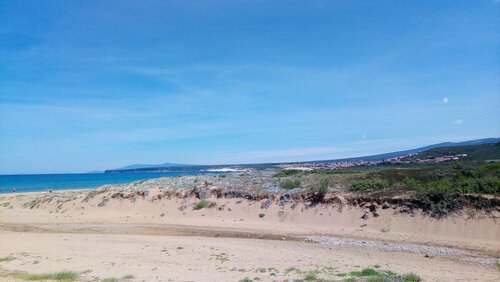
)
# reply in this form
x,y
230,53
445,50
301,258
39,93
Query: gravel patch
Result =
x,y
427,250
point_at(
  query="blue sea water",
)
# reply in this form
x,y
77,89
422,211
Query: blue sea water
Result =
x,y
42,182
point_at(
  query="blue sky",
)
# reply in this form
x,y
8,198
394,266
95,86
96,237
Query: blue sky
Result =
x,y
91,85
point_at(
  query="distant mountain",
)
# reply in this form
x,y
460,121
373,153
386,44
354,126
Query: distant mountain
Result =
x,y
385,156
141,166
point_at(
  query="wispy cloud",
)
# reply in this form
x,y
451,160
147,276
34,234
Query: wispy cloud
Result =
x,y
445,100
458,121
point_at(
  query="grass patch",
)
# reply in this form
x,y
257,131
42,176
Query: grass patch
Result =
x,y
292,269
201,204
384,230
286,172
5,259
365,272
350,279
58,276
222,257
246,279
261,215
180,248
321,190
291,184
311,277
411,277
111,279
128,277
366,185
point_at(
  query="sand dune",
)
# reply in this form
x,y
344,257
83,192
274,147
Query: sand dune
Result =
x,y
157,238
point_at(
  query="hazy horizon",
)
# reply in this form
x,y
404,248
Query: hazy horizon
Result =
x,y
93,86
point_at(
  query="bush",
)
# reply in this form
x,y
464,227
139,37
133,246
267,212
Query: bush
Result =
x,y
286,172
290,184
59,276
310,277
368,185
321,190
201,204
365,272
489,185
411,277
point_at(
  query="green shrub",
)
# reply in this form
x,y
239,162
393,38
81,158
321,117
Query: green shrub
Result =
x,y
290,184
201,204
310,277
323,188
286,172
261,215
59,276
369,185
9,258
488,185
365,272
411,277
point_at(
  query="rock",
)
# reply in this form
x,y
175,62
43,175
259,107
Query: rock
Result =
x,y
201,193
266,204
284,199
365,216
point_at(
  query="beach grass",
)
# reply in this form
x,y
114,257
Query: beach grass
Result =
x,y
201,204
8,258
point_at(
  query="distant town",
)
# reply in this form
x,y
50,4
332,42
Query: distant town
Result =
x,y
406,159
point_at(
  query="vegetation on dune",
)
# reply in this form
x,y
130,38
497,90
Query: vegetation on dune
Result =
x,y
204,204
411,277
59,276
321,190
474,152
5,259
201,204
287,172
290,184
369,185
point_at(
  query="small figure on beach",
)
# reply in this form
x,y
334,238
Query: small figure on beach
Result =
x,y
13,190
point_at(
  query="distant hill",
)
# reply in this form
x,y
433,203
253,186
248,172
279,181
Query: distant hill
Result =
x,y
385,156
479,154
139,166
474,152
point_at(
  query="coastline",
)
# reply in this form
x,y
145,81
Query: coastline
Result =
x,y
147,212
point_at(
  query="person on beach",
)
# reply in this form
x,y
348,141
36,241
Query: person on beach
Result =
x,y
13,190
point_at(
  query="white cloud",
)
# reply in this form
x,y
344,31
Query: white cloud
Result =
x,y
445,100
458,121
364,136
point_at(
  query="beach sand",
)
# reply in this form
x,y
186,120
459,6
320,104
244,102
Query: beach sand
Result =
x,y
166,239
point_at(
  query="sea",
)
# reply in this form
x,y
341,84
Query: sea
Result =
x,y
44,182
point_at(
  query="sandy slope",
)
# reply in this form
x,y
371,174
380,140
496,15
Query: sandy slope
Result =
x,y
142,237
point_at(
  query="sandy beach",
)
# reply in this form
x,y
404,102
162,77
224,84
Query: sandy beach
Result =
x,y
155,234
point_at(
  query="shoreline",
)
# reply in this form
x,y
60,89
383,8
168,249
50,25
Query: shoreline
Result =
x,y
155,220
